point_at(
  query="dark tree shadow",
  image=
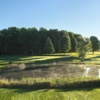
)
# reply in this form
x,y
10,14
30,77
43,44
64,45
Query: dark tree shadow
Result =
x,y
57,90
30,90
62,59
77,89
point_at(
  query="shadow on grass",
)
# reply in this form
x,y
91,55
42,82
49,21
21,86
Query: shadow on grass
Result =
x,y
29,90
67,59
92,58
54,55
25,90
15,58
77,89
30,59
56,90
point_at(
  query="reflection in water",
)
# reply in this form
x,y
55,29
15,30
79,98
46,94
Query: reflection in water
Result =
x,y
99,73
87,71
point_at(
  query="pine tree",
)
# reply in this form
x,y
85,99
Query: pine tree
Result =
x,y
49,48
64,44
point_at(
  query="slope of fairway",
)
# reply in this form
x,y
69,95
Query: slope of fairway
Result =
x,y
50,58
51,94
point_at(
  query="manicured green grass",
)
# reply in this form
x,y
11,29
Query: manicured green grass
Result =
x,y
51,58
50,94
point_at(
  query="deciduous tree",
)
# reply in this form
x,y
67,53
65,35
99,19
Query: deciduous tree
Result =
x,y
84,47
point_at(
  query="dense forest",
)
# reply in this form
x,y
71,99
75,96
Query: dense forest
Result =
x,y
25,41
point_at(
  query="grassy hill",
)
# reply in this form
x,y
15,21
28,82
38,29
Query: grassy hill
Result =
x,y
51,58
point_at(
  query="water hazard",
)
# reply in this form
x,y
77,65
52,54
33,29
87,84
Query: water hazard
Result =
x,y
51,71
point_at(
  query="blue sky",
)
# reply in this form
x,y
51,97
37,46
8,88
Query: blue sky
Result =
x,y
78,16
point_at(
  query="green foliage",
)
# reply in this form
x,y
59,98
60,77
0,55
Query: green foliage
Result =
x,y
22,40
64,43
84,47
54,35
34,41
99,45
78,37
13,45
27,41
44,36
73,42
49,48
95,43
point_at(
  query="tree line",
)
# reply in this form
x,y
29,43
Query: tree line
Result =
x,y
24,41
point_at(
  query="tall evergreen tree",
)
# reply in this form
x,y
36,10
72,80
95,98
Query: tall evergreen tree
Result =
x,y
23,40
34,40
95,43
13,33
64,43
4,41
49,48
54,36
79,40
43,34
73,42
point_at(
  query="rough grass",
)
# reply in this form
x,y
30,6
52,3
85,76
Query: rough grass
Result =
x,y
51,58
50,94
50,83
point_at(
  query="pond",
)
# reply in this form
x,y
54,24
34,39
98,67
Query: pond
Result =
x,y
17,71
